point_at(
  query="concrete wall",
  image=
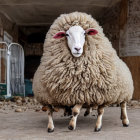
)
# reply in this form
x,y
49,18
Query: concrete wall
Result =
x,y
110,23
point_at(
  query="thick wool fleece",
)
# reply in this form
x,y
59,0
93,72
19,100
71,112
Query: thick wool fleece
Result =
x,y
97,77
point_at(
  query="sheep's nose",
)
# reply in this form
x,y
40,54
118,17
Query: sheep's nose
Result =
x,y
77,49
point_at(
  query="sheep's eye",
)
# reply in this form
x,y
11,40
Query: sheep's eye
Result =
x,y
67,34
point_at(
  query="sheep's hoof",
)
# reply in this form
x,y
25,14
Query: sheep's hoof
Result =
x,y
50,130
86,113
97,129
125,125
70,127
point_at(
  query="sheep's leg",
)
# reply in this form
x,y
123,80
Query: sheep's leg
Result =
x,y
100,111
121,117
67,111
124,116
75,112
88,111
50,121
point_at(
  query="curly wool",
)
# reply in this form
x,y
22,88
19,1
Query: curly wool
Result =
x,y
97,77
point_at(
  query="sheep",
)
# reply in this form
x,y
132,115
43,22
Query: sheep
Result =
x,y
80,68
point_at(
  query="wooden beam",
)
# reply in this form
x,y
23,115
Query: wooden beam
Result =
x,y
123,13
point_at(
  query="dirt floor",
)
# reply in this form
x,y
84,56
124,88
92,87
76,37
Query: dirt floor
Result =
x,y
32,125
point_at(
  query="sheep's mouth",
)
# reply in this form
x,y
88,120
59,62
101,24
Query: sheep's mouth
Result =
x,y
77,53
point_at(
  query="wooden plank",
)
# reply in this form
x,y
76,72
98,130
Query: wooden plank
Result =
x,y
133,63
2,64
3,70
123,13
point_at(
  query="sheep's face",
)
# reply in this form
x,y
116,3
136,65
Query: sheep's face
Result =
x,y
76,38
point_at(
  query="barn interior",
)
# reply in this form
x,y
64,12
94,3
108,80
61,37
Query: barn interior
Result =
x,y
28,21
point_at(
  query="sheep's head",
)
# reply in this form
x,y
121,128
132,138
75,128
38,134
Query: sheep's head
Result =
x,y
76,38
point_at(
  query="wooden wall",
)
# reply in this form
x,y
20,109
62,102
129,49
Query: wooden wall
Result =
x,y
12,29
133,62
8,26
33,49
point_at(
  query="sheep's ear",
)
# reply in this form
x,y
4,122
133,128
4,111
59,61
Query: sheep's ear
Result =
x,y
59,35
91,31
